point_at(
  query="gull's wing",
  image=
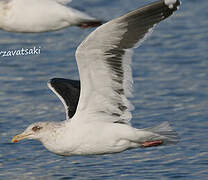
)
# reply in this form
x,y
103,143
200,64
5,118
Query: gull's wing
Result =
x,y
104,60
68,92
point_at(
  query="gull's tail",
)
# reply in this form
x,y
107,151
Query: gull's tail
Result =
x,y
161,135
82,19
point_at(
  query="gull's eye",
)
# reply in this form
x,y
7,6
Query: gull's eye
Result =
x,y
36,128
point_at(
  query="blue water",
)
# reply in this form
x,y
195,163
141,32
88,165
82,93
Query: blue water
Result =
x,y
171,84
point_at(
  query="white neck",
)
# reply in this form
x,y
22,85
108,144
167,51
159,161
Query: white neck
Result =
x,y
58,139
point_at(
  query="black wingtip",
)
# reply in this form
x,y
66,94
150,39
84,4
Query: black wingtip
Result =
x,y
68,91
54,81
170,7
173,5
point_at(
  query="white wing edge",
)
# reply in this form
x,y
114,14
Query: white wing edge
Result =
x,y
62,100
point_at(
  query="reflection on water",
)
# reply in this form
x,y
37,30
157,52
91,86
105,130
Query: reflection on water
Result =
x,y
171,84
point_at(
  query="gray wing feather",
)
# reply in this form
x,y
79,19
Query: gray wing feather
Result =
x,y
104,59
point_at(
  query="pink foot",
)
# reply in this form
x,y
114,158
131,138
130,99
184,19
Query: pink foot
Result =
x,y
152,143
90,24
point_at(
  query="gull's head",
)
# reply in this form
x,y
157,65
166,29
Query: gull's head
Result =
x,y
38,131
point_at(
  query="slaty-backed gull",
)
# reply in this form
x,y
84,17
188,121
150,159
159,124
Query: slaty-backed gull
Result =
x,y
32,16
98,115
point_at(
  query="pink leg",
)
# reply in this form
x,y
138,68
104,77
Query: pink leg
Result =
x,y
90,24
152,143
83,26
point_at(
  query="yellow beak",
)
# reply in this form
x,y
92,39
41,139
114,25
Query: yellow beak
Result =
x,y
19,137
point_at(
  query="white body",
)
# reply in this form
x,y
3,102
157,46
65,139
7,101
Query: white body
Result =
x,y
37,15
95,138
